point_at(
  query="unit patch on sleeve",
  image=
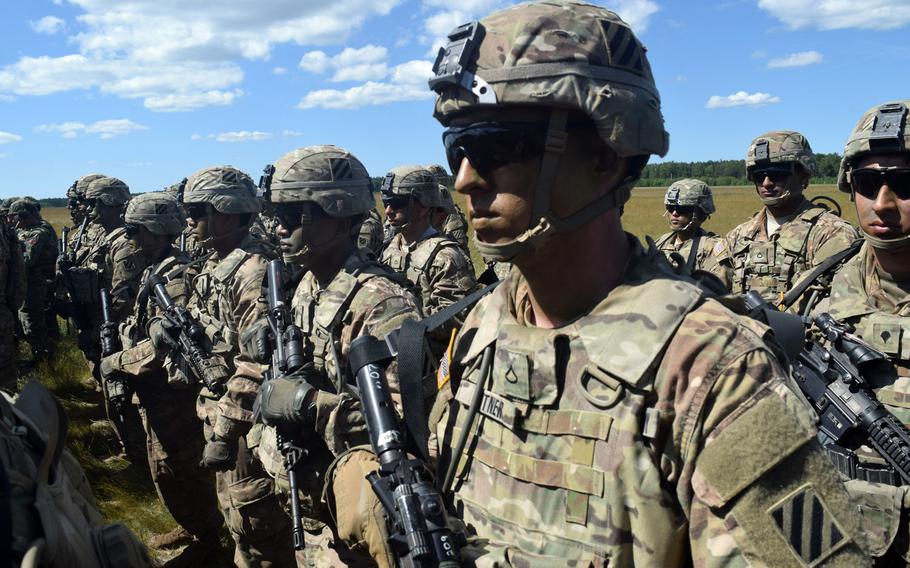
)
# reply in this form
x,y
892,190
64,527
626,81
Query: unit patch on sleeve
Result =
x,y
810,530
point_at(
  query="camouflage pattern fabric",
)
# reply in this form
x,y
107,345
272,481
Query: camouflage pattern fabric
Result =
x,y
657,430
225,300
167,405
455,227
362,299
11,294
39,250
772,265
265,228
780,147
668,244
370,237
869,299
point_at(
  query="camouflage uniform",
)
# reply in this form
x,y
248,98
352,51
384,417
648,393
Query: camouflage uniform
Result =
x,y
370,238
48,500
225,301
12,291
655,429
455,226
167,395
39,248
434,264
771,265
363,298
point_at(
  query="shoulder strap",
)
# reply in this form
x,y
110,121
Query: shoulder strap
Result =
x,y
822,268
693,252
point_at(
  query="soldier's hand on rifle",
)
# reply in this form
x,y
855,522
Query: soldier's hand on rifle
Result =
x,y
287,401
256,339
163,333
220,454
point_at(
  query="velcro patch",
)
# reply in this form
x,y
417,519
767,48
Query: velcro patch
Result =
x,y
810,530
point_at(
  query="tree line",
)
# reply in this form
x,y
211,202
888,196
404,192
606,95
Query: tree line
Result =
x,y
725,172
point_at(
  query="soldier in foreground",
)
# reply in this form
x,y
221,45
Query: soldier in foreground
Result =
x,y
790,234
621,416
689,204
871,292
221,204
12,293
166,390
342,295
39,249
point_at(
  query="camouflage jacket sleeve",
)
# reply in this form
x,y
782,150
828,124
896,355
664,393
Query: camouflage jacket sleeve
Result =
x,y
122,271
450,279
754,483
718,262
235,416
37,245
829,236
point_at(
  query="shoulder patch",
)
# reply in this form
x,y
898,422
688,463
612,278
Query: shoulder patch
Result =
x,y
718,247
811,532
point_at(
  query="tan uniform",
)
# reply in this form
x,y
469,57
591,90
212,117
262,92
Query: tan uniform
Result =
x,y
771,265
225,301
656,430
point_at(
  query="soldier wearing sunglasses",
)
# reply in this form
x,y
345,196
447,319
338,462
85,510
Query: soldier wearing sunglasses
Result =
x,y
601,409
789,235
872,293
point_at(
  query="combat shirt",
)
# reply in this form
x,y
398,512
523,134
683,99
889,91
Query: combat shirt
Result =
x,y
656,430
771,265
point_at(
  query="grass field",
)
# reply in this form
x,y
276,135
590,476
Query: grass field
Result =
x,y
127,495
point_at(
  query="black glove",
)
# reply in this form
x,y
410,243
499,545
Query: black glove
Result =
x,y
219,454
287,401
256,339
163,333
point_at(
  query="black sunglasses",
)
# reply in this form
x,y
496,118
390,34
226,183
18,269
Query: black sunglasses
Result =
x,y
289,215
776,175
868,181
90,203
196,211
396,201
492,145
681,209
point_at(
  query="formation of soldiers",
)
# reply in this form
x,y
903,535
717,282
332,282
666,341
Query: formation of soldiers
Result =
x,y
607,403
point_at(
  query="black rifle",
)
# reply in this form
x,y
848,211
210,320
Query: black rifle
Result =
x,y
287,357
835,382
190,340
419,532
110,341
80,311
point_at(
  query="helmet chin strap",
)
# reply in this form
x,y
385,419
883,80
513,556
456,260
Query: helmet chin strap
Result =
x,y
788,192
209,241
899,243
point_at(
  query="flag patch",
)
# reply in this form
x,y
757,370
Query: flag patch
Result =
x,y
810,530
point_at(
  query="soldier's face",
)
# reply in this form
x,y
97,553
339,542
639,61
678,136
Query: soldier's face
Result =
x,y
680,216
776,181
306,238
883,212
150,245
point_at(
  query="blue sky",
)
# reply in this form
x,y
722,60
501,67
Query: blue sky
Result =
x,y
152,90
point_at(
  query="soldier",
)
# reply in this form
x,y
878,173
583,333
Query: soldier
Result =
x,y
434,264
344,294
870,292
167,396
39,249
186,242
51,517
790,234
12,294
622,417
448,218
370,239
689,203
221,204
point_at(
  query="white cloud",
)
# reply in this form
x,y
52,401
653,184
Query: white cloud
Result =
x,y
315,62
104,129
839,14
741,98
181,55
279,70
234,136
366,63
800,59
7,137
291,133
636,13
48,25
408,82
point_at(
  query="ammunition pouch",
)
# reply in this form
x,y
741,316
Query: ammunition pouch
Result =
x,y
84,285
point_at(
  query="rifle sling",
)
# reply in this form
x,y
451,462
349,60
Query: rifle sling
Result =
x,y
826,265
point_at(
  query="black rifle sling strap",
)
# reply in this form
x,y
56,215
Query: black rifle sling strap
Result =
x,y
693,253
826,265
411,366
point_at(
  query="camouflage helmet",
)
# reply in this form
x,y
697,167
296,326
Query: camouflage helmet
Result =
x,y
446,203
561,54
176,190
5,203
227,189
158,212
33,201
690,192
77,190
412,181
440,172
327,175
780,147
881,130
20,206
108,190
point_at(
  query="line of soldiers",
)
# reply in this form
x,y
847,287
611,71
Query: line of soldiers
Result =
x,y
606,404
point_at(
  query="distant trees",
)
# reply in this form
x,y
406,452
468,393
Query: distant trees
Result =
x,y
725,172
